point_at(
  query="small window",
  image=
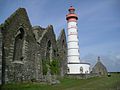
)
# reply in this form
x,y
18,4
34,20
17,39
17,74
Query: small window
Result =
x,y
86,72
68,70
72,12
81,69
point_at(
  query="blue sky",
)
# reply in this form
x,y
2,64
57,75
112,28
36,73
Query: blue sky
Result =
x,y
98,24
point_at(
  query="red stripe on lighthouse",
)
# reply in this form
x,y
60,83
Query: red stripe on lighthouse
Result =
x,y
72,27
72,20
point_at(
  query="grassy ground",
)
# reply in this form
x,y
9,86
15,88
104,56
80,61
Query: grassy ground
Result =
x,y
96,83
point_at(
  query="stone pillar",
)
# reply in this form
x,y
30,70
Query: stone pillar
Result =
x,y
49,77
38,68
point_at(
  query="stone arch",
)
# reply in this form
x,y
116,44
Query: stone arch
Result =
x,y
18,45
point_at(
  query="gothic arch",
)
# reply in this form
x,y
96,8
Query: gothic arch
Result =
x,y
18,45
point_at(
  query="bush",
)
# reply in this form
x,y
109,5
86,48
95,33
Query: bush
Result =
x,y
54,67
109,75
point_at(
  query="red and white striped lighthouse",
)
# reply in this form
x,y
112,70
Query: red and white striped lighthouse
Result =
x,y
73,42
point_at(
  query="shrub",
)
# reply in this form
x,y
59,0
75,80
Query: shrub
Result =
x,y
54,67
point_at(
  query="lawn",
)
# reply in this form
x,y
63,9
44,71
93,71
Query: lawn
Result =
x,y
96,83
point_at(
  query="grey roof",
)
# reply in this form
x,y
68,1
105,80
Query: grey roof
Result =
x,y
99,64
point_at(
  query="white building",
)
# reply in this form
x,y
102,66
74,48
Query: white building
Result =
x,y
74,64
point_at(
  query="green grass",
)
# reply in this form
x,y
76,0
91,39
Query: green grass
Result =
x,y
96,83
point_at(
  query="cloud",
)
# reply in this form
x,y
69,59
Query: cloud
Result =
x,y
118,57
109,60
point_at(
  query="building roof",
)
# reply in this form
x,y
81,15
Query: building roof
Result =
x,y
99,67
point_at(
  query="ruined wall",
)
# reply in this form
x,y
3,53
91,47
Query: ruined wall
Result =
x,y
19,48
0,56
47,45
38,31
62,52
24,48
47,36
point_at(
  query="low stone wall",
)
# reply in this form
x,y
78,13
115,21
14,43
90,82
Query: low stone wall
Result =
x,y
82,76
50,79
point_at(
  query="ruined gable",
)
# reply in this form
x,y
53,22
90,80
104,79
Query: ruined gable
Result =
x,y
62,52
47,37
38,31
18,47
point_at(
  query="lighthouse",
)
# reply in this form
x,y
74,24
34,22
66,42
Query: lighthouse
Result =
x,y
74,66
73,42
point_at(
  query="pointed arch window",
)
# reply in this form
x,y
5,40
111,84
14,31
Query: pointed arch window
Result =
x,y
18,45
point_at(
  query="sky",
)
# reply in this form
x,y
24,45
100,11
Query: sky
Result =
x,y
98,24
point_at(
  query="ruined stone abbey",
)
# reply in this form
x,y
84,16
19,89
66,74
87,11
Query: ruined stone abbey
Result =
x,y
24,49
29,53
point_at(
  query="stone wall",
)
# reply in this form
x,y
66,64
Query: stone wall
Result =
x,y
23,49
82,76
0,56
17,33
62,52
47,37
99,68
47,44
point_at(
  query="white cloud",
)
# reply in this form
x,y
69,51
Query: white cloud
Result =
x,y
109,60
118,57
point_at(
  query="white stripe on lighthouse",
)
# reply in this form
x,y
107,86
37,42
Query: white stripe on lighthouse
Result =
x,y
73,46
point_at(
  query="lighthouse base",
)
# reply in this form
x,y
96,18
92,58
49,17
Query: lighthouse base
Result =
x,y
78,68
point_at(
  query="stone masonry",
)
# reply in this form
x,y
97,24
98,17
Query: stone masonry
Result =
x,y
62,49
23,48
26,52
99,68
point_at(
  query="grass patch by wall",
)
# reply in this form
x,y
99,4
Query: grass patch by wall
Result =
x,y
95,83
